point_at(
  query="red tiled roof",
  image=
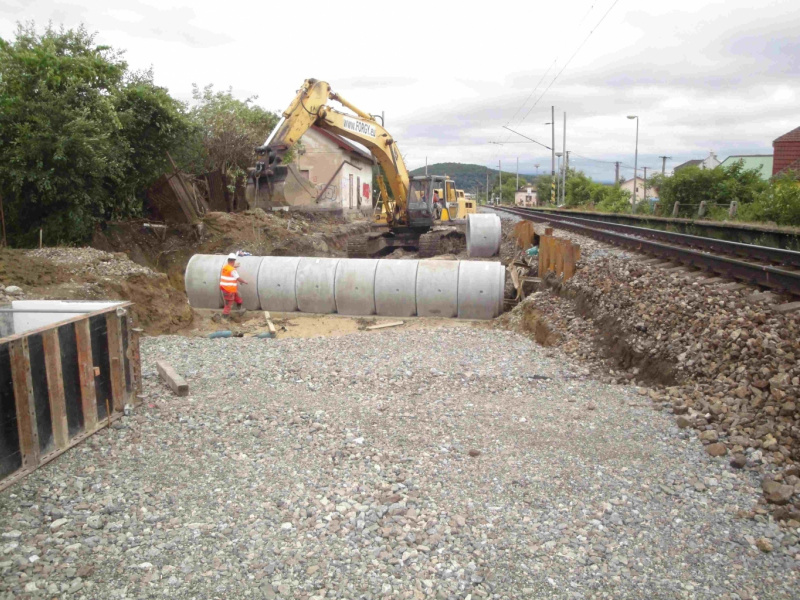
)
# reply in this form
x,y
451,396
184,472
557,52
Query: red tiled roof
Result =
x,y
792,136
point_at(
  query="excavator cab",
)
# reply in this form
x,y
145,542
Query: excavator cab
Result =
x,y
421,210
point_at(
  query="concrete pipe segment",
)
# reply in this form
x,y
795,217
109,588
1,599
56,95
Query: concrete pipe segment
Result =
x,y
356,286
484,234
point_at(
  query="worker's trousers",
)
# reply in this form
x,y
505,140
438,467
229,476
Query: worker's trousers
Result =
x,y
230,298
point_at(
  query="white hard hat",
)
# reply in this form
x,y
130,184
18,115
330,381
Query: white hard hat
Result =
x,y
232,256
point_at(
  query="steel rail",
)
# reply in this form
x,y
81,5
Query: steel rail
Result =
x,y
763,275
777,256
733,228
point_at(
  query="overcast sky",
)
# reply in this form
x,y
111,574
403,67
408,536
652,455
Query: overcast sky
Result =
x,y
702,75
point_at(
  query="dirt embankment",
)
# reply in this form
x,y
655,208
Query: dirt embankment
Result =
x,y
91,274
255,231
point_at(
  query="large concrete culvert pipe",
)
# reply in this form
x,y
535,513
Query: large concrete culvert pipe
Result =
x,y
356,286
484,234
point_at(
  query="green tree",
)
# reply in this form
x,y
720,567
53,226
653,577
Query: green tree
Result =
x,y
779,203
152,124
58,132
611,198
721,185
79,140
579,189
230,130
543,189
509,188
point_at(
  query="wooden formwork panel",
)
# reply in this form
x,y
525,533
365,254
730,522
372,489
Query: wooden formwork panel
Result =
x,y
60,384
557,255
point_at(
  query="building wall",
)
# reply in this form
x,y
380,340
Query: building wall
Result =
x,y
320,165
710,162
628,185
526,198
784,154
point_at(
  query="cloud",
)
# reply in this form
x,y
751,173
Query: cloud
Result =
x,y
136,19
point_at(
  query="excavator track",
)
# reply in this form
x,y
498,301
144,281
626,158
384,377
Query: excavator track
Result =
x,y
429,244
358,247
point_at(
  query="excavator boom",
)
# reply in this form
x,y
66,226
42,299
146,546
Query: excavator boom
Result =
x,y
309,108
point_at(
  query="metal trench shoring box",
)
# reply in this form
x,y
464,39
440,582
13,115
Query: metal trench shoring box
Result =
x,y
67,369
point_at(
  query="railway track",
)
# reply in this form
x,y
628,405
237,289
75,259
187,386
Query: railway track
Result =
x,y
772,268
746,233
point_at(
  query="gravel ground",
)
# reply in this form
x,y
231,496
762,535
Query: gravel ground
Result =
x,y
725,361
461,463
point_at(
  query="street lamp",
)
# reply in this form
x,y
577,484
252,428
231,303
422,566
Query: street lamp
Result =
x,y
635,158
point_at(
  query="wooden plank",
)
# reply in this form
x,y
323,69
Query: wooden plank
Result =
x,y
116,361
569,261
577,251
559,266
548,231
24,403
86,373
271,327
267,316
385,325
514,276
55,387
134,355
170,375
542,256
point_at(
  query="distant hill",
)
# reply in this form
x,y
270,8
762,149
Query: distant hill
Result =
x,y
468,176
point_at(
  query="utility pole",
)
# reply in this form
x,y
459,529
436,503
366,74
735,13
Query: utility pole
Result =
x,y
552,155
616,173
500,180
487,185
635,159
426,166
566,169
564,148
664,164
645,183
537,170
518,172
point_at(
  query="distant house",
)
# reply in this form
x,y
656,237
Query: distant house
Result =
x,y
786,152
628,185
760,162
526,196
709,162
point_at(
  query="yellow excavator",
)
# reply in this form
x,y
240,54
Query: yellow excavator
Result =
x,y
407,215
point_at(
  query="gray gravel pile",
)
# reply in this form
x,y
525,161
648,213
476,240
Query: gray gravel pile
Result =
x,y
452,463
88,260
730,361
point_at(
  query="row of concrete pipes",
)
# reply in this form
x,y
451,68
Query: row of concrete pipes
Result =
x,y
355,286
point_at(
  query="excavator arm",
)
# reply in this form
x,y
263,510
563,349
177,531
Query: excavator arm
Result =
x,y
310,108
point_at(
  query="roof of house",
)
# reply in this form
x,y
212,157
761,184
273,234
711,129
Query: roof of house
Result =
x,y
792,136
688,163
525,188
761,162
343,143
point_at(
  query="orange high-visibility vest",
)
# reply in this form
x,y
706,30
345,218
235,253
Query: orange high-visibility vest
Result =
x,y
227,279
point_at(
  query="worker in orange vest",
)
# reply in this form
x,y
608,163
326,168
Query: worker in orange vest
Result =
x,y
229,281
